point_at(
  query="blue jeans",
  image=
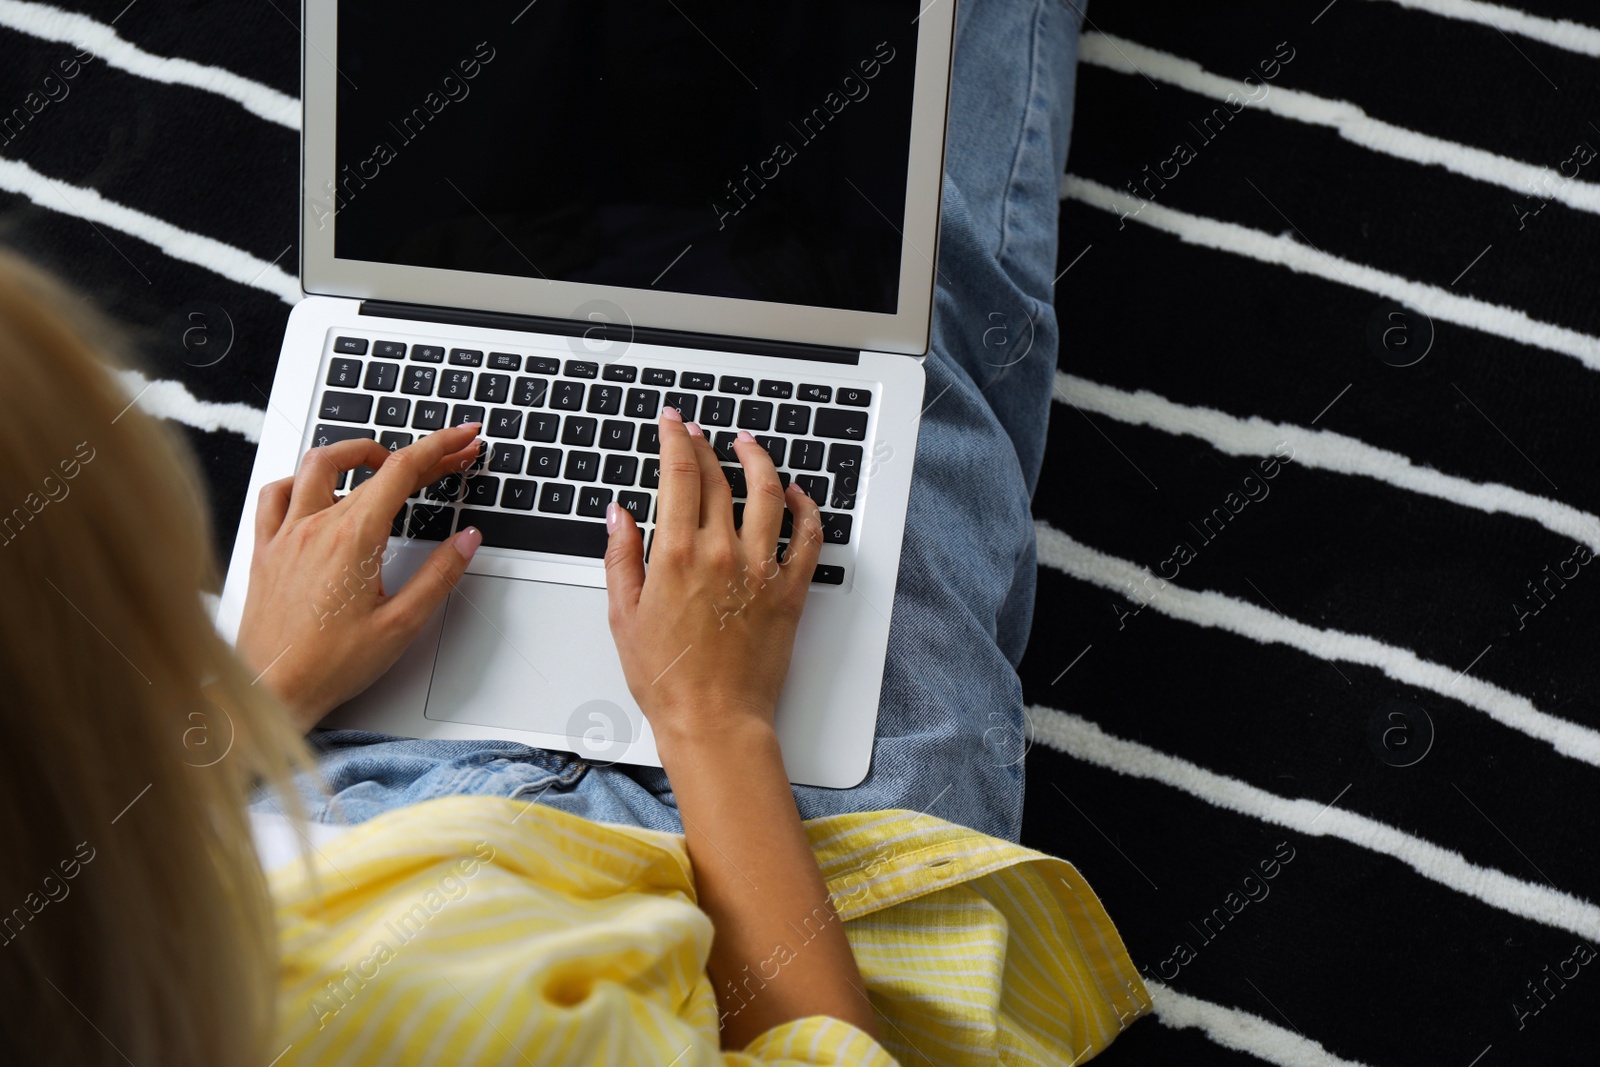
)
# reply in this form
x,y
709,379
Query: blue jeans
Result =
x,y
950,736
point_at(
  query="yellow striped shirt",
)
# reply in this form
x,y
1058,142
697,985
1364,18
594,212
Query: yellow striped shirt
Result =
x,y
477,930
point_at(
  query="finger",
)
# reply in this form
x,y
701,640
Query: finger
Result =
x,y
405,471
320,470
680,479
716,496
763,511
271,508
427,589
624,566
800,559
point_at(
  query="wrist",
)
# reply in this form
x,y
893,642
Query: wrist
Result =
x,y
734,739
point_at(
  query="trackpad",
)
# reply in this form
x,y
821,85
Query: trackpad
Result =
x,y
536,657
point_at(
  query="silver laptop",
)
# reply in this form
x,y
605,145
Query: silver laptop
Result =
x,y
557,218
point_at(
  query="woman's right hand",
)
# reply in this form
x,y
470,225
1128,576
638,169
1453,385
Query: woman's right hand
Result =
x,y
705,639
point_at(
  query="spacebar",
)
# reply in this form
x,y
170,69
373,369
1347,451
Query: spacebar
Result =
x,y
536,533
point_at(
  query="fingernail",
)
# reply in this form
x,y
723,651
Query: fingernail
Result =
x,y
671,413
475,425
613,517
467,542
746,436
694,428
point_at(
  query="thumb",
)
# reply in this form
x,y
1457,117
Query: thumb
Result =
x,y
624,564
438,575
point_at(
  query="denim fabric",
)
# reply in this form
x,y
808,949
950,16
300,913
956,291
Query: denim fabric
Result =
x,y
950,735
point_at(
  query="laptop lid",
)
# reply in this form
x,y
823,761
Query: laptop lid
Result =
x,y
767,171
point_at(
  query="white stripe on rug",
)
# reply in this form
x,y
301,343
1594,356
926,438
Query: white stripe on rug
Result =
x,y
1559,33
87,204
1284,251
81,31
1352,123
1239,1030
1212,609
172,400
1083,740
1324,450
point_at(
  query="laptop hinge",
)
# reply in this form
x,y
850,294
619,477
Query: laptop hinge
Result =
x,y
499,320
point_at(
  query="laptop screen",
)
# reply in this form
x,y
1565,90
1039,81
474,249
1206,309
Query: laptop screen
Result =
x,y
749,150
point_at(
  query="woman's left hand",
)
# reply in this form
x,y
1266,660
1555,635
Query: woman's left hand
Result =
x,y
318,625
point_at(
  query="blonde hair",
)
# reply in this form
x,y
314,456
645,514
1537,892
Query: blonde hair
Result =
x,y
134,919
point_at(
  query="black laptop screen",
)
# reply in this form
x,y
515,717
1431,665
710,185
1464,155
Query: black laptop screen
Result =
x,y
747,150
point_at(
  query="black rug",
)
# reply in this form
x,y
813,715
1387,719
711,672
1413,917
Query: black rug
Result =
x,y
1311,681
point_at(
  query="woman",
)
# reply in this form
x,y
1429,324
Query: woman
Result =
x,y
502,904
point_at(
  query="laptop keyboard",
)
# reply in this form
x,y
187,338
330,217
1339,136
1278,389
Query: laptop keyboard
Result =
x,y
567,437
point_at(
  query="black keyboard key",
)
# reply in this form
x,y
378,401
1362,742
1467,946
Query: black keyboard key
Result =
x,y
856,398
392,411
389,350
774,447
605,399
844,494
806,455
483,491
733,384
557,498
419,381
536,533
480,458
350,346
344,372
620,470
616,435
507,459
832,422
592,501
397,525
493,388
650,476
427,353
635,504
579,430
544,462
835,528
382,376
717,411
844,459
393,441
819,394
518,493
360,475
504,361
685,403
650,439
793,419
529,392
736,481
345,407
466,357
814,486
583,466
782,390
723,444
430,415
462,414
620,373
642,403
657,376
542,426
693,380
456,385
431,522
828,574
568,396
755,414
580,368
504,422
449,488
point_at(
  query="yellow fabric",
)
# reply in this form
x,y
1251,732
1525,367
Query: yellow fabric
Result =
x,y
477,930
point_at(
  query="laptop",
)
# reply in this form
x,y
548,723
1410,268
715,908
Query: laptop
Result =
x,y
557,218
